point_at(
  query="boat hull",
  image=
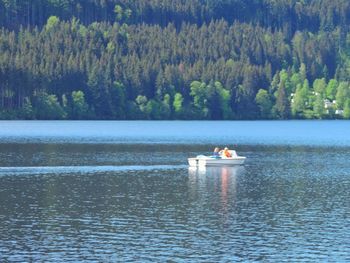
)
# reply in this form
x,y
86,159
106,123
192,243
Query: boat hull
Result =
x,y
207,161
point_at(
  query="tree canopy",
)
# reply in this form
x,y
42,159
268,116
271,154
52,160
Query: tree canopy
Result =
x,y
174,59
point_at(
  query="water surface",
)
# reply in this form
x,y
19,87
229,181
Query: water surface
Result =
x,y
68,193
327,133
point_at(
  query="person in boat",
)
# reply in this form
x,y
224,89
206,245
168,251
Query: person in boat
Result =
x,y
216,153
226,153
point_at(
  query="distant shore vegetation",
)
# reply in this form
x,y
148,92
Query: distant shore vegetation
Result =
x,y
174,59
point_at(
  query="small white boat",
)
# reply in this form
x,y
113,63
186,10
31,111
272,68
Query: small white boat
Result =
x,y
203,160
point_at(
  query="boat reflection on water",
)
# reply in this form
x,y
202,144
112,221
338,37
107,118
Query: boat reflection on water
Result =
x,y
222,180
215,171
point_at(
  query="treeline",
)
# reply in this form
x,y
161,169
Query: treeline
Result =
x,y
289,15
137,65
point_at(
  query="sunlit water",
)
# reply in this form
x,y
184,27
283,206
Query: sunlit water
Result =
x,y
106,192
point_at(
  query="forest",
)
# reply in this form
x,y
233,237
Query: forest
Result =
x,y
174,59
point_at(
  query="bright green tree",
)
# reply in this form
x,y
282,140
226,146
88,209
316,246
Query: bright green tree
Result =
x,y
331,89
48,107
284,80
52,22
177,104
144,107
319,106
347,109
295,80
80,109
343,92
300,101
224,97
201,96
263,100
118,10
319,86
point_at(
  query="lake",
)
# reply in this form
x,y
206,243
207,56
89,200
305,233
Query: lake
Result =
x,y
123,192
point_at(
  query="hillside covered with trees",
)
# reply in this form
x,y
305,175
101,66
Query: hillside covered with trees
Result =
x,y
174,59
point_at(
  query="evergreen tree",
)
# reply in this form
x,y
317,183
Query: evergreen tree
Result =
x,y
282,104
188,59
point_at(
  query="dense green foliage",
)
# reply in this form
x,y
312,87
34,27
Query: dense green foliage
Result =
x,y
174,59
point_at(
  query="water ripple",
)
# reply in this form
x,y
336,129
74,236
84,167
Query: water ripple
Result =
x,y
38,170
286,204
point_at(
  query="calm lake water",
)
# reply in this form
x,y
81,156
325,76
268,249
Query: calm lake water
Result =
x,y
123,192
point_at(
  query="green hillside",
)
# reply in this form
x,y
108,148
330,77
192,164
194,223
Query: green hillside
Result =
x,y
174,59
